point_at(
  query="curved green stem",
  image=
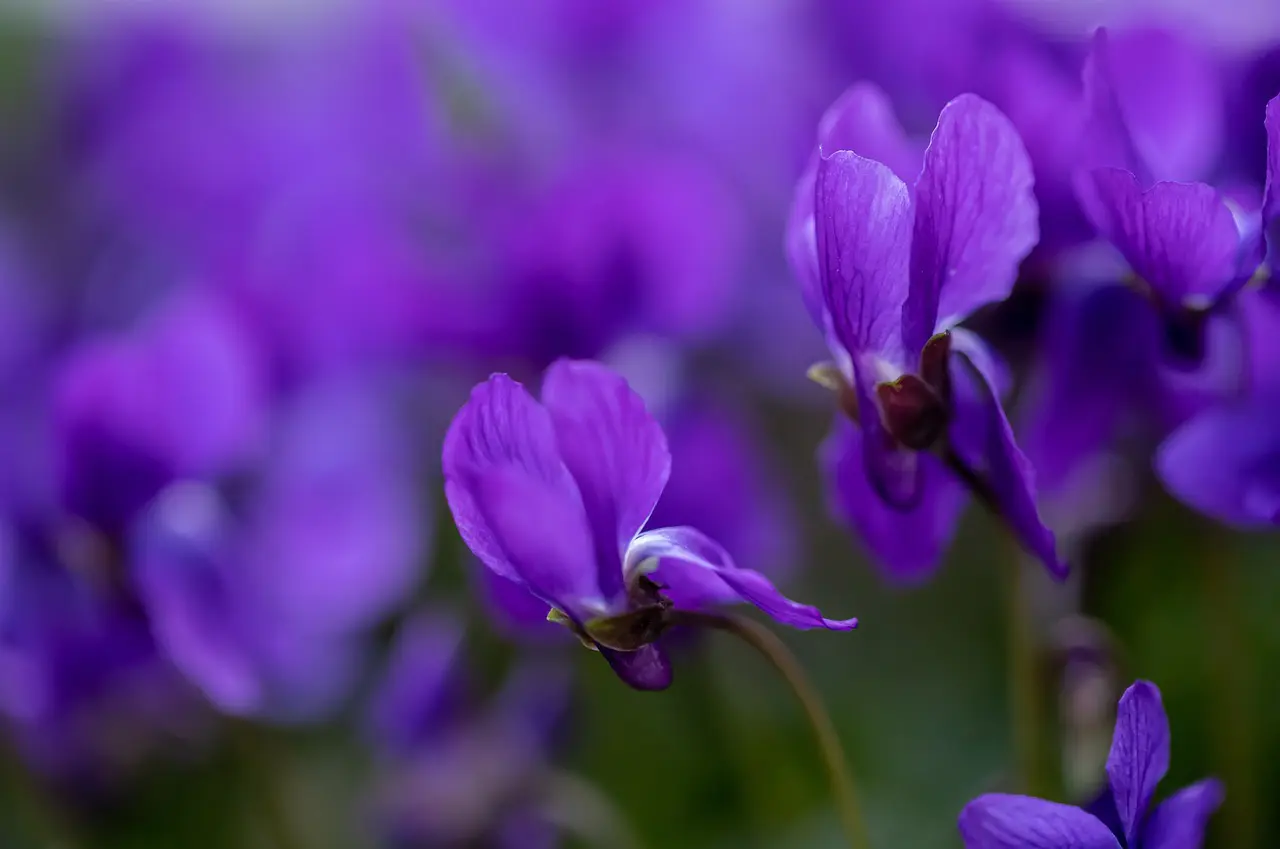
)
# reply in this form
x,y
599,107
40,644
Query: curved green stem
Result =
x,y
779,656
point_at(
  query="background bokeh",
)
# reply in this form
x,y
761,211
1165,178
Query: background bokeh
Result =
x,y
254,255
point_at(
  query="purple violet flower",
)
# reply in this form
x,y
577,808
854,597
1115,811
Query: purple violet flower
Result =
x,y
554,496
888,271
720,483
1121,818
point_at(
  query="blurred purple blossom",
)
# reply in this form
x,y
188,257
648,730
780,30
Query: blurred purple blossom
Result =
x,y
1139,344
261,594
1226,463
458,771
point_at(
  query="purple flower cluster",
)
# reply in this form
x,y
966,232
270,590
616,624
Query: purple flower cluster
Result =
x,y
248,270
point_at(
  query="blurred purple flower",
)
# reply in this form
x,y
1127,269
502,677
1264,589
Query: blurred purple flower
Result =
x,y
299,171
888,272
182,395
1173,340
262,597
607,250
460,772
82,688
1226,463
1121,818
555,496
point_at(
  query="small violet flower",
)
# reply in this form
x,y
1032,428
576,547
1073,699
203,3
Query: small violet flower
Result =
x,y
887,271
554,496
1121,818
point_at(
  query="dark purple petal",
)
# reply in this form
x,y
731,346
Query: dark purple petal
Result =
x,y
419,688
1271,197
1180,821
616,452
862,121
905,545
1139,755
1098,358
697,569
998,821
1200,364
1180,238
644,669
862,215
975,218
503,442
1226,463
984,439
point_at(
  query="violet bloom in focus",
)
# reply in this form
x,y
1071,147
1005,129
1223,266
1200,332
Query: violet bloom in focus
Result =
x,y
554,496
888,272
1122,818
720,483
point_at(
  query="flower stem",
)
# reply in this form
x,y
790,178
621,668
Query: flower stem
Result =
x,y
780,657
1232,702
1026,698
